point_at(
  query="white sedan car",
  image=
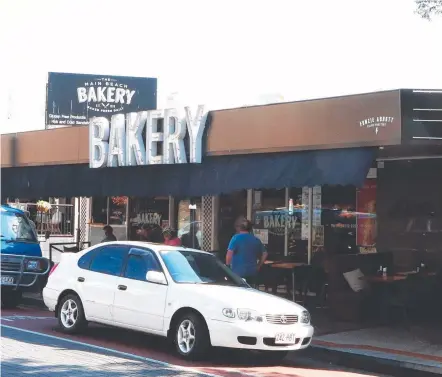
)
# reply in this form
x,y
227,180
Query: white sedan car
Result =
x,y
187,295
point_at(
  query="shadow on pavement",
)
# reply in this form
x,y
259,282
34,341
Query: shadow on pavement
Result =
x,y
154,348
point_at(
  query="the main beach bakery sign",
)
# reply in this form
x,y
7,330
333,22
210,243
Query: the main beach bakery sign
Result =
x,y
147,138
72,99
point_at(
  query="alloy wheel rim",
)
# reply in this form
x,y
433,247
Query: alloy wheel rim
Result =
x,y
186,336
69,313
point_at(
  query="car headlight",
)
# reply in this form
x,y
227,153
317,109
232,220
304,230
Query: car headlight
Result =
x,y
33,265
229,313
243,314
249,315
305,317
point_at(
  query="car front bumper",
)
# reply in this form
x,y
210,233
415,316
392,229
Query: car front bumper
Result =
x,y
258,336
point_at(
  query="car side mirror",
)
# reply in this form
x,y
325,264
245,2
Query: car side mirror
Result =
x,y
156,277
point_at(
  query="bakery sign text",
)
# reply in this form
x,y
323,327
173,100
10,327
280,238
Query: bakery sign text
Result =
x,y
106,95
146,138
376,122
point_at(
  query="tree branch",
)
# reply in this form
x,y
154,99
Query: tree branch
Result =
x,y
428,8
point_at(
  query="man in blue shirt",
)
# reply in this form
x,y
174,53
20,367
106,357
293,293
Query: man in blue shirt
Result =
x,y
246,253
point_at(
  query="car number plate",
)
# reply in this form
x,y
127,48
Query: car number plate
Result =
x,y
285,338
7,280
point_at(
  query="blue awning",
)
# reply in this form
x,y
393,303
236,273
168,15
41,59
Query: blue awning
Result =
x,y
215,175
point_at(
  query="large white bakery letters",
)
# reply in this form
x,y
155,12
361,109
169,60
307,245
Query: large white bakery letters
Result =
x,y
120,142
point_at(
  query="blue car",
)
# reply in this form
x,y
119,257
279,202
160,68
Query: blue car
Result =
x,y
21,262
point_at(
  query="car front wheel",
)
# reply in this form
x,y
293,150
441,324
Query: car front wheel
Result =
x,y
70,315
192,340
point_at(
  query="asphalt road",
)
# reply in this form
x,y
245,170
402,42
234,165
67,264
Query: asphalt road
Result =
x,y
31,344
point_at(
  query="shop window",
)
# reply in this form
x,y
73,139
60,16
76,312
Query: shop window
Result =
x,y
297,233
99,210
153,212
189,222
410,210
269,220
232,207
55,215
339,219
108,210
117,210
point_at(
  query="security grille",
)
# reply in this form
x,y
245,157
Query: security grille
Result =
x,y
207,226
84,217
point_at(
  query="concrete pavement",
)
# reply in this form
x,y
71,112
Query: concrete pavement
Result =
x,y
25,353
32,344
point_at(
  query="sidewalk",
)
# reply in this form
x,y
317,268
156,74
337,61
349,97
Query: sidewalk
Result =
x,y
383,347
375,349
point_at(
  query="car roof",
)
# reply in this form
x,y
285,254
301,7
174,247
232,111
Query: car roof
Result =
x,y
153,246
6,208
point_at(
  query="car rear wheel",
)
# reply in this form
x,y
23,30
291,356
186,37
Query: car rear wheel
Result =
x,y
192,340
70,315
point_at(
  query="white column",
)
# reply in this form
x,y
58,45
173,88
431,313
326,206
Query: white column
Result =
x,y
172,212
249,204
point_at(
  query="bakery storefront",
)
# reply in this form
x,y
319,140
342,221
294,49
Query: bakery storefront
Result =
x,y
306,173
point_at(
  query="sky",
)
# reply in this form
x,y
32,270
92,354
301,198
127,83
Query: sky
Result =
x,y
226,53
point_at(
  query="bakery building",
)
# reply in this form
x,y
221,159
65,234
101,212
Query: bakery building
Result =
x,y
357,176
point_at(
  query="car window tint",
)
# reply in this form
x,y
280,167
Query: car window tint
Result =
x,y
109,260
85,261
139,265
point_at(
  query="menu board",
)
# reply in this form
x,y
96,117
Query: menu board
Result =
x,y
262,234
317,205
305,214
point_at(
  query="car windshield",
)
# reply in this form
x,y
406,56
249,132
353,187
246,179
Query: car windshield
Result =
x,y
15,227
192,267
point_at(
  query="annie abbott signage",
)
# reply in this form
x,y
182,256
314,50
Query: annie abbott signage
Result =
x,y
138,139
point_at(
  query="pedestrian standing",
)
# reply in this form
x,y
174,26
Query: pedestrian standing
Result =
x,y
108,234
246,253
170,237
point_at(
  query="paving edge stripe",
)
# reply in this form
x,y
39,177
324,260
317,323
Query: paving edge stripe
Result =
x,y
341,346
116,352
379,360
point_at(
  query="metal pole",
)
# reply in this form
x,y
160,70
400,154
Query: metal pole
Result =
x,y
310,224
78,222
172,221
107,210
192,221
286,234
128,218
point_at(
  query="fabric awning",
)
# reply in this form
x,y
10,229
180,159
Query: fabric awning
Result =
x,y
215,175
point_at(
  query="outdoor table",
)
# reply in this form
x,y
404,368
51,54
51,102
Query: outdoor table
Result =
x,y
421,273
289,266
384,279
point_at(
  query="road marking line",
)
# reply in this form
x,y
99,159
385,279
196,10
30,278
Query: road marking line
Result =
x,y
121,353
23,317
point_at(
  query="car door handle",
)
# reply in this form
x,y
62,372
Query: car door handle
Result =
x,y
122,287
80,279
